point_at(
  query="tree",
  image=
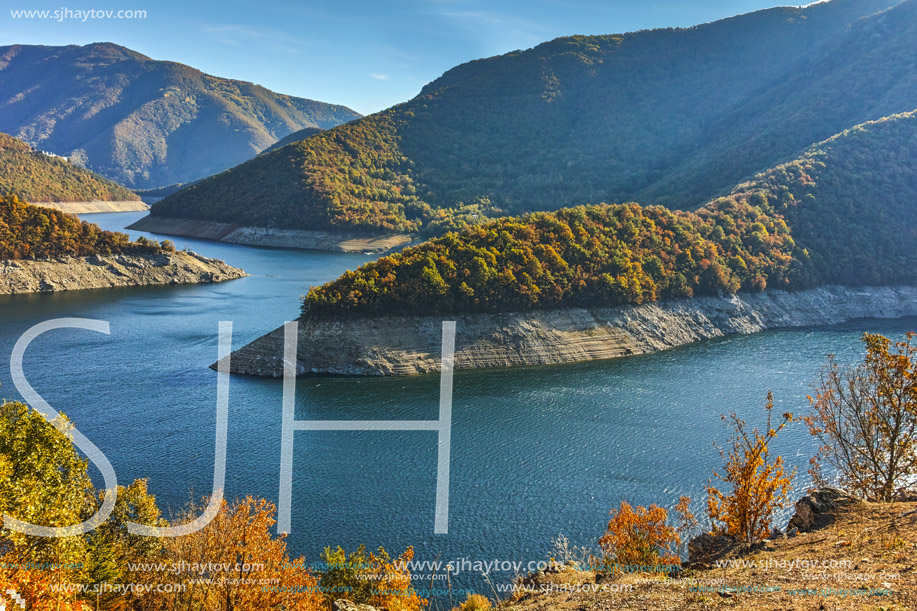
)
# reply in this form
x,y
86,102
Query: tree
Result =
x,y
865,417
246,567
642,536
757,484
370,578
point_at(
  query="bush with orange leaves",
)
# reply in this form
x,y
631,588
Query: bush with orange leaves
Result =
x,y
758,484
641,536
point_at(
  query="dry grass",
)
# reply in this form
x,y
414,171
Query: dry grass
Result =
x,y
877,541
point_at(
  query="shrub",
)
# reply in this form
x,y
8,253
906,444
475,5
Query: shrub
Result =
x,y
640,536
475,602
757,484
865,417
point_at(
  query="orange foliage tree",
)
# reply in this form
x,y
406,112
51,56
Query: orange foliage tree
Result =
x,y
232,564
642,536
757,484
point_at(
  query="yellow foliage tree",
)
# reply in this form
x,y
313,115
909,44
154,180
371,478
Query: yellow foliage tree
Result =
x,y
757,484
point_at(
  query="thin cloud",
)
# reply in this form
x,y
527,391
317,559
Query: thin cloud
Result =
x,y
380,77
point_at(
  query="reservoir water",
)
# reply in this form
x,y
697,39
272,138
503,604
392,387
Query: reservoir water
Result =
x,y
536,452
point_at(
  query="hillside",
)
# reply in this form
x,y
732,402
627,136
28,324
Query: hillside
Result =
x,y
31,232
845,212
296,136
586,119
37,177
141,122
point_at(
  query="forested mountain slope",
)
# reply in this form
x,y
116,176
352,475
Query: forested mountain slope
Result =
x,y
586,119
37,177
844,212
141,122
29,232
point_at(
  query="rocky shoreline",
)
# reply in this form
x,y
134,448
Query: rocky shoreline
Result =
x,y
409,345
106,271
271,238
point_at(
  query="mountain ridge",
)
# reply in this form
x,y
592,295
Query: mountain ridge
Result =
x,y
143,122
576,120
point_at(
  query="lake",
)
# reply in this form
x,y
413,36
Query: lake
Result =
x,y
536,452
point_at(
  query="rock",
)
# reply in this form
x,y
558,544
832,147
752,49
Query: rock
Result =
x,y
409,345
346,605
96,272
706,548
818,509
792,533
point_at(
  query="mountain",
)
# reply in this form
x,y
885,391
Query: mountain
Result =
x,y
39,177
141,122
586,119
844,212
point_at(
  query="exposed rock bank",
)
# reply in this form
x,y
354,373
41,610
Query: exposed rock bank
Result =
x,y
98,271
407,345
272,238
94,206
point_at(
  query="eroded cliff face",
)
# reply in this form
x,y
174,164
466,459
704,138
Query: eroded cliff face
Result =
x,y
408,345
98,271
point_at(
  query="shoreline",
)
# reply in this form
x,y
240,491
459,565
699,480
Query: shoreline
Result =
x,y
95,206
411,345
302,239
23,276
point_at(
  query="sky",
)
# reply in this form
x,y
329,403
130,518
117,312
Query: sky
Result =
x,y
365,54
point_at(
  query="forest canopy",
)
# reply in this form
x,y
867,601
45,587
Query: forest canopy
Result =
x,y
37,177
32,232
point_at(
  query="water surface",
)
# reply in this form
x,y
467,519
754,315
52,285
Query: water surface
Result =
x,y
536,452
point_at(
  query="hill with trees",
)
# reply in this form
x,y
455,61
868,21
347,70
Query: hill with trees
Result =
x,y
586,119
844,212
296,136
141,122
31,232
38,177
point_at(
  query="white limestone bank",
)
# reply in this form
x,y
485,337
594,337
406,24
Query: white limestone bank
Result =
x,y
106,271
271,238
408,345
94,206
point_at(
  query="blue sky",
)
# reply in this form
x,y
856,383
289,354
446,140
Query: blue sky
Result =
x,y
366,54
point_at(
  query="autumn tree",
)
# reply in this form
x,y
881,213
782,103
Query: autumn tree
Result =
x,y
232,564
865,417
373,578
756,483
42,481
642,535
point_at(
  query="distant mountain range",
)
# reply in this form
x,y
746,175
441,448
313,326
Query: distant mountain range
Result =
x,y
35,176
140,122
673,116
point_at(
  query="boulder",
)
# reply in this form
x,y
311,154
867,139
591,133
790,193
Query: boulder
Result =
x,y
819,508
706,548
